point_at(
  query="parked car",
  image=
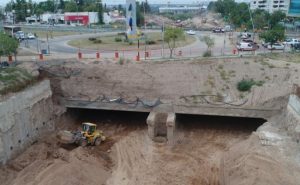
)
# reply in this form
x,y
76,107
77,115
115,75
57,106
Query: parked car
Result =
x,y
20,35
244,46
30,36
291,41
191,32
218,30
265,44
276,46
251,42
4,64
296,46
245,35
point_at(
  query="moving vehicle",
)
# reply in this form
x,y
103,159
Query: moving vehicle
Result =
x,y
88,135
291,42
244,46
191,32
218,30
276,46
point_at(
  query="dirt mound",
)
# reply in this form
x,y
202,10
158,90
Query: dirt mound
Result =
x,y
47,163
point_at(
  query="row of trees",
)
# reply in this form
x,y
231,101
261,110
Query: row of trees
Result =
x,y
26,8
239,15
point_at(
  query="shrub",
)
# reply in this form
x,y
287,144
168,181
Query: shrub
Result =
x,y
92,38
150,42
207,54
118,39
130,42
245,85
97,41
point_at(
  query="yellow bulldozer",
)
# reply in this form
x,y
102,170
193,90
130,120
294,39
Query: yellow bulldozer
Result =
x,y
89,135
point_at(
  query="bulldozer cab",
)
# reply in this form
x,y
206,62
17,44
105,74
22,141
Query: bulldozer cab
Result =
x,y
89,128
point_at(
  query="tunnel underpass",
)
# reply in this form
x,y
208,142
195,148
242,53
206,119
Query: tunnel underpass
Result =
x,y
200,143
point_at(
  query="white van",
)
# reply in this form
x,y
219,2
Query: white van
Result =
x,y
244,46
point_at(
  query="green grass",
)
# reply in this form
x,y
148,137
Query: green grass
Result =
x,y
109,42
14,79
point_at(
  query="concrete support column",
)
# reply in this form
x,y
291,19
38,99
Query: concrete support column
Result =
x,y
161,125
171,127
151,124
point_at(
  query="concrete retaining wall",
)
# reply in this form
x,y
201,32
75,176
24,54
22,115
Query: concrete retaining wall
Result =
x,y
23,117
292,117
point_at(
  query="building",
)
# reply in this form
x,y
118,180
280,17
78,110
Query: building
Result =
x,y
81,18
52,18
181,9
270,5
294,8
112,17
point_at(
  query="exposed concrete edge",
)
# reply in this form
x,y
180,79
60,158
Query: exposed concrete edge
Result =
x,y
29,96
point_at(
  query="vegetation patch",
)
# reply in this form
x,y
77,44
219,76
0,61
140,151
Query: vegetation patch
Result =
x,y
246,85
14,79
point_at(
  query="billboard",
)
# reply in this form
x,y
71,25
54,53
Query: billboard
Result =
x,y
131,19
294,8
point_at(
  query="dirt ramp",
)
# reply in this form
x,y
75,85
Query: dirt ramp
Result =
x,y
194,160
251,162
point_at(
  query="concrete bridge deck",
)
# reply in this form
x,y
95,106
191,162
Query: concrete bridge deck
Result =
x,y
176,108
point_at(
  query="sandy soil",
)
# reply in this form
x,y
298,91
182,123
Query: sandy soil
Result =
x,y
208,151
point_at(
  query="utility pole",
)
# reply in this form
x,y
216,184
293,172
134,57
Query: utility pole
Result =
x,y
163,39
145,29
77,2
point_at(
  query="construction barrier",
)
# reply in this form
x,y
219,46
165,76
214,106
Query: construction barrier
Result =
x,y
116,55
10,58
79,55
146,54
234,51
41,56
137,58
180,53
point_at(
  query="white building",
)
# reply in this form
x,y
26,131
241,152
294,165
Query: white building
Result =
x,y
112,17
270,5
52,18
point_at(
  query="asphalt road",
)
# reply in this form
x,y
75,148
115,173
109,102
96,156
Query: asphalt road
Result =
x,y
59,45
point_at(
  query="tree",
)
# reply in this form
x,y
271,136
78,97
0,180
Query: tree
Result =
x,y
100,12
210,42
171,36
70,6
139,15
276,17
8,45
274,35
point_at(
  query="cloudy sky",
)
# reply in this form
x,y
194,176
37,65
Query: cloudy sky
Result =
x,y
3,2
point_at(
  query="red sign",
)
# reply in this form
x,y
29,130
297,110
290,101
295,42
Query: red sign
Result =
x,y
83,19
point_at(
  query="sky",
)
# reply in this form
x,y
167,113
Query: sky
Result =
x,y
4,2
